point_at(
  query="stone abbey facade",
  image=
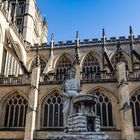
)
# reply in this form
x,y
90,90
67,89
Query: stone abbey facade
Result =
x,y
32,71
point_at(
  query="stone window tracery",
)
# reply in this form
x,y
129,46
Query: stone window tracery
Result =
x,y
103,108
91,67
135,104
52,111
61,71
15,112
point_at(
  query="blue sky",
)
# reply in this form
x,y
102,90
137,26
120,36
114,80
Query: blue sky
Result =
x,y
65,17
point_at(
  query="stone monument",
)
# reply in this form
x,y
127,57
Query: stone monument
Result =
x,y
80,120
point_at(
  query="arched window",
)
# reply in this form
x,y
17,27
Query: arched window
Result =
x,y
113,61
91,67
63,64
52,111
15,113
135,104
11,65
103,108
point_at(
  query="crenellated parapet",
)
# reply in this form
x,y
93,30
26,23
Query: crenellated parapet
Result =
x,y
89,42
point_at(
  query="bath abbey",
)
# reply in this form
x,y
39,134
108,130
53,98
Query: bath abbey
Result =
x,y
33,72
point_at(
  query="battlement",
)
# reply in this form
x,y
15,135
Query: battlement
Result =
x,y
90,42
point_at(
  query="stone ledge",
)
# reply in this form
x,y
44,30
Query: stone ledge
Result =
x,y
80,136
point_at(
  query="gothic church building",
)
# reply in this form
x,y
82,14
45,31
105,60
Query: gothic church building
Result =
x,y
32,71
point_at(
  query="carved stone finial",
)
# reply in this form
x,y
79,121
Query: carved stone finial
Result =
x,y
77,60
104,39
52,36
119,55
130,30
36,62
131,38
45,21
103,33
52,41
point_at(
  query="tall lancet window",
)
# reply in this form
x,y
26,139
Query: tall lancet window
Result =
x,y
63,64
11,65
52,115
135,104
91,67
15,112
103,108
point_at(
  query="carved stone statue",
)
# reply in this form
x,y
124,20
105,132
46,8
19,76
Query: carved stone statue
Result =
x,y
71,88
80,120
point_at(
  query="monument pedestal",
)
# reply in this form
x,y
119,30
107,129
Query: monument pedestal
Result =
x,y
84,124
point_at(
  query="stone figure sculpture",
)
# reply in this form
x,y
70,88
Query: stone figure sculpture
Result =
x,y
80,121
71,88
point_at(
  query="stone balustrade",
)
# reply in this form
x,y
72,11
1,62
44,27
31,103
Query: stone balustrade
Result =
x,y
102,76
133,76
13,80
53,78
85,77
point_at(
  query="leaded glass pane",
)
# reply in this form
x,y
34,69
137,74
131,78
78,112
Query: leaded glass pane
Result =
x,y
135,104
52,111
103,108
15,114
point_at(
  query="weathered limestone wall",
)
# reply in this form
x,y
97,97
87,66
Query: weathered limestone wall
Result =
x,y
32,106
125,113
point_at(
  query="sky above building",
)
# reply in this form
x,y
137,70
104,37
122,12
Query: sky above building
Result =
x,y
65,17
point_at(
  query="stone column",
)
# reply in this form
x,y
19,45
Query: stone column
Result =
x,y
77,75
127,129
33,99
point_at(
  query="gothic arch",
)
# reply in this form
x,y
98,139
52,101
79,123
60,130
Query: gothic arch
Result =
x,y
51,92
106,92
13,107
135,90
126,57
95,55
42,59
105,105
62,65
52,106
66,55
135,105
13,92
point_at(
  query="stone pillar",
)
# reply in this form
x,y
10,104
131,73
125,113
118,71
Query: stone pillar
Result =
x,y
77,75
127,129
33,99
